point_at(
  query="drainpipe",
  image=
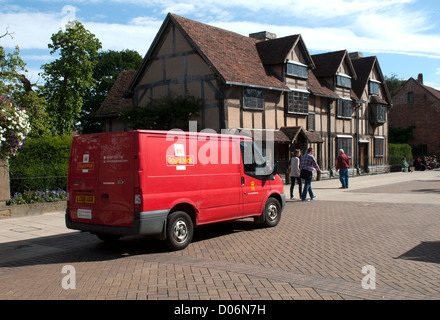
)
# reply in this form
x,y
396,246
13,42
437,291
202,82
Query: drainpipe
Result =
x,y
329,137
357,137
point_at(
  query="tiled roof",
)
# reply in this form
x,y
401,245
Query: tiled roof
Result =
x,y
115,101
292,133
275,51
363,67
327,64
434,92
264,134
319,87
233,56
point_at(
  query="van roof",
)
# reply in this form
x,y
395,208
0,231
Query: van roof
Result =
x,y
180,132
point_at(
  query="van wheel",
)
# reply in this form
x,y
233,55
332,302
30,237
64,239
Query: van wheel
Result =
x,y
180,230
272,213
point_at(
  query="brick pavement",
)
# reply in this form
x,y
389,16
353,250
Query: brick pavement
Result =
x,y
317,252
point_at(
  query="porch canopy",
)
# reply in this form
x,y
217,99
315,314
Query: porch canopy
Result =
x,y
276,136
286,135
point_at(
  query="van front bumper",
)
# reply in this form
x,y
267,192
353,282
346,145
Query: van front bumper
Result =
x,y
144,223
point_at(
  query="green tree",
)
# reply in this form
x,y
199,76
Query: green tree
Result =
x,y
401,135
394,84
165,113
108,66
35,105
14,84
70,76
11,65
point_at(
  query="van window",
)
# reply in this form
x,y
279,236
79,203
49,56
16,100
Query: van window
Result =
x,y
253,161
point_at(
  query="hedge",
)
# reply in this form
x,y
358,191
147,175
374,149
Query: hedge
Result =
x,y
397,151
41,165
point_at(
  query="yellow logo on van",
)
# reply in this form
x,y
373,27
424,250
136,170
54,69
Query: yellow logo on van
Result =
x,y
253,186
180,160
88,165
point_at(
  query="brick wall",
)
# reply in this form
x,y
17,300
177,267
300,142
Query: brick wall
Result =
x,y
423,113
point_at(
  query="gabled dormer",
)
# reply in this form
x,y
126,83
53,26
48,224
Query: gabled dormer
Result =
x,y
289,59
336,69
371,88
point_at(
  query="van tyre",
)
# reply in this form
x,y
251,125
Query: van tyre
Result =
x,y
271,213
180,230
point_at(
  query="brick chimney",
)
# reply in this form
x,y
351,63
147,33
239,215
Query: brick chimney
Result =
x,y
356,55
420,78
263,36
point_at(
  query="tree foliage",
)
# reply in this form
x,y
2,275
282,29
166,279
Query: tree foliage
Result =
x,y
401,135
68,77
397,151
165,113
42,164
24,94
108,66
394,84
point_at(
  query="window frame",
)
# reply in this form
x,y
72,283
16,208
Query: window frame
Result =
x,y
378,113
341,81
311,124
345,143
253,99
296,69
379,148
373,85
344,109
410,97
299,105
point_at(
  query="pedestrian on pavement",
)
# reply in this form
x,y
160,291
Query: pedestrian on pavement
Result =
x,y
342,164
308,165
294,167
405,166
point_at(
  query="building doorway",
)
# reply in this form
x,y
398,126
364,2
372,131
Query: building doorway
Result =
x,y
363,157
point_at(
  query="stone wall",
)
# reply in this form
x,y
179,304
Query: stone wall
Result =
x,y
4,183
24,210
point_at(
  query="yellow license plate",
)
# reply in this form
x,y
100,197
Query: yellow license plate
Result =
x,y
85,199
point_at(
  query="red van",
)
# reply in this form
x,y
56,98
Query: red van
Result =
x,y
164,183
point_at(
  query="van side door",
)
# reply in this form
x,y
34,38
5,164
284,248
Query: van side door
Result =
x,y
254,183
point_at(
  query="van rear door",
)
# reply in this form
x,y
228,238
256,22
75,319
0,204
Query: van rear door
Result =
x,y
101,179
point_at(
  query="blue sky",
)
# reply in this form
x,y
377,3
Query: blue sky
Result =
x,y
403,34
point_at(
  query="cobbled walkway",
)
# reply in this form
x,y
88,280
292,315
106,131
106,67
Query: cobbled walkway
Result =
x,y
318,251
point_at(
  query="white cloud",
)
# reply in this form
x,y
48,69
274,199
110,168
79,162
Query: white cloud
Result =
x,y
370,26
31,30
120,37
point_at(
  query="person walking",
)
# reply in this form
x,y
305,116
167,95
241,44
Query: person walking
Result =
x,y
308,165
342,164
295,171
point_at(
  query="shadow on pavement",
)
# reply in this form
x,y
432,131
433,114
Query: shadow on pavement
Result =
x,y
85,247
427,251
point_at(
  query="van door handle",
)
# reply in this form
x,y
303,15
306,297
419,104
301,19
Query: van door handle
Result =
x,y
242,181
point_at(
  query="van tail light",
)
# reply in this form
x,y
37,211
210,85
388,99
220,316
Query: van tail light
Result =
x,y
137,199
